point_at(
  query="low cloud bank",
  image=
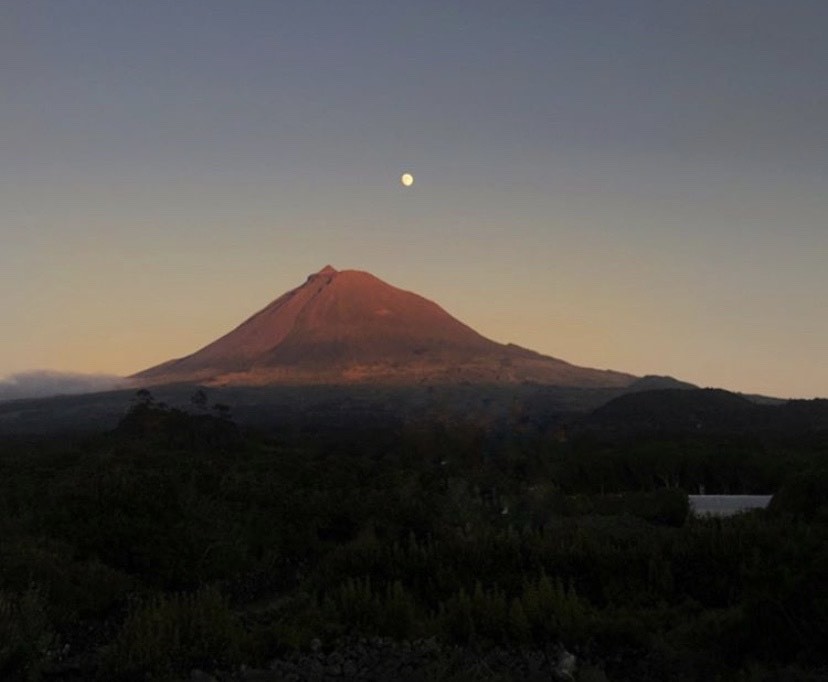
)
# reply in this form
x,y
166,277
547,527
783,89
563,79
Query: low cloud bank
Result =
x,y
43,383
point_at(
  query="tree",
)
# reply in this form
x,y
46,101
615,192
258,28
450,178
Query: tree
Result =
x,y
199,399
143,397
222,410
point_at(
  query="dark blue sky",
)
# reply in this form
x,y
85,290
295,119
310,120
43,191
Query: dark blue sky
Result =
x,y
639,185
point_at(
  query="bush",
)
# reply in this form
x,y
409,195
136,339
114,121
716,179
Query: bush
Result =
x,y
76,588
175,633
398,612
368,610
554,612
666,506
26,637
804,495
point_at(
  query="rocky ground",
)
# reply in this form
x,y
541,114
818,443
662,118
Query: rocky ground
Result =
x,y
379,659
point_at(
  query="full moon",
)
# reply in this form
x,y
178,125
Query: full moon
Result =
x,y
407,179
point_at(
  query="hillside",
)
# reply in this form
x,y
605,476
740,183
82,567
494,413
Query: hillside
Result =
x,y
672,412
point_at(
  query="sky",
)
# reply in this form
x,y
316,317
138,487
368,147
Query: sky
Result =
x,y
630,185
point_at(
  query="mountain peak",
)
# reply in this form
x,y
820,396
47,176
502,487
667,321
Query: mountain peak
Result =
x,y
327,271
350,326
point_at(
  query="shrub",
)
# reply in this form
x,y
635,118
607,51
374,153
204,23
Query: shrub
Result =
x,y
804,495
26,637
354,604
174,633
76,588
456,618
398,611
554,611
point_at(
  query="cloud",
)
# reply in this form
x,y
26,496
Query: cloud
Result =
x,y
43,382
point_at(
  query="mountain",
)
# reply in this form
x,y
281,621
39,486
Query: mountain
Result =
x,y
351,327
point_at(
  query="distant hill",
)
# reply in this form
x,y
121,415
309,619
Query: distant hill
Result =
x,y
350,327
41,383
314,405
652,382
670,412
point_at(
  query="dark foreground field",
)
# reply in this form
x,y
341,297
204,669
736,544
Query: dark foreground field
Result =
x,y
179,546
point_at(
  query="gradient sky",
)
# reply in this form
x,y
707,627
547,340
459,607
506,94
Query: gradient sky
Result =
x,y
632,185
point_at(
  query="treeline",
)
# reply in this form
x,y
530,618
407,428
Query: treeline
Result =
x,y
178,542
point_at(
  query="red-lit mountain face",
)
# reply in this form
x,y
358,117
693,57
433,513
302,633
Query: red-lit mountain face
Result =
x,y
349,326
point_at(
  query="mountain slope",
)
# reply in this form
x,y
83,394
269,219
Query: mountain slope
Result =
x,y
349,326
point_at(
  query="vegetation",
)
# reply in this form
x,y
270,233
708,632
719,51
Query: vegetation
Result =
x,y
179,542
